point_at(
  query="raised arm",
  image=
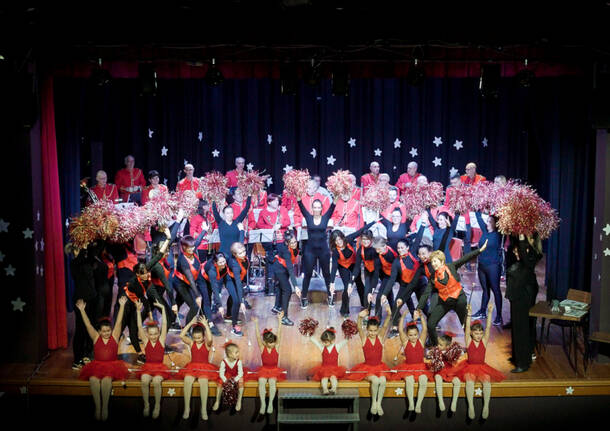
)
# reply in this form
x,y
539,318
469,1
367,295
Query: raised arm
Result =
x,y
259,338
304,211
481,222
217,216
80,304
467,325
461,261
163,336
386,323
352,236
361,331
490,309
401,328
185,338
329,212
454,222
417,241
242,215
141,332
116,331
424,326
432,220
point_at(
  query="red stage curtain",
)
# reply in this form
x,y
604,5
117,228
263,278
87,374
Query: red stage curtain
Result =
x,y
55,286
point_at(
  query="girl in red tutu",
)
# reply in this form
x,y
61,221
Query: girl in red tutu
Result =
x,y
413,344
475,368
269,344
441,361
330,368
372,369
154,369
199,368
105,367
232,368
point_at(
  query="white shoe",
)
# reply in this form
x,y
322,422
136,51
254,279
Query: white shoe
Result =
x,y
373,408
379,410
216,406
270,408
146,411
186,414
262,409
204,414
485,413
238,406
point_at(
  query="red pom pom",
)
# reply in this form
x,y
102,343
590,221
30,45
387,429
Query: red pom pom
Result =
x,y
349,328
453,353
250,183
295,182
230,391
308,326
376,198
213,187
435,357
340,183
459,199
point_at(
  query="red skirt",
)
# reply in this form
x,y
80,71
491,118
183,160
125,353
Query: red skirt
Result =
x,y
116,370
266,373
363,370
448,373
246,371
154,369
415,370
325,371
477,370
199,370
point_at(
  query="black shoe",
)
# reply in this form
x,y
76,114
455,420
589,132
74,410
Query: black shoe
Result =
x,y
393,333
286,321
345,314
479,315
248,306
227,318
498,322
141,358
304,304
518,370
215,331
237,331
275,310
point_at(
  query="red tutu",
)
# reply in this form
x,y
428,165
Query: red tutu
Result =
x,y
117,370
266,373
415,370
199,370
477,370
154,369
363,370
322,371
448,373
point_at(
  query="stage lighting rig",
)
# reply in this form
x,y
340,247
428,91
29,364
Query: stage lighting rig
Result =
x,y
148,79
100,77
489,82
288,79
213,76
416,74
525,77
340,80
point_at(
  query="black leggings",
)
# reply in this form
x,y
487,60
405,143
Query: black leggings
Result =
x,y
186,294
346,278
384,281
233,301
438,311
523,331
130,320
489,277
155,293
285,290
370,282
407,297
309,259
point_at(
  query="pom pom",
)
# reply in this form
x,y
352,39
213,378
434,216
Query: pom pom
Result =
x,y
549,221
453,353
250,183
340,183
131,222
416,199
349,328
213,187
376,198
295,182
308,326
435,358
97,221
186,201
230,390
459,199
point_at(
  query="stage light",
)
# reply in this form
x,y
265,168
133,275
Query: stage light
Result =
x,y
100,77
313,74
416,74
489,82
340,80
525,77
288,79
213,76
148,79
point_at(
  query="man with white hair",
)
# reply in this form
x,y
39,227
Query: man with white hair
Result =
x,y
130,181
102,189
232,176
409,178
371,178
356,191
189,182
384,180
422,180
500,180
471,177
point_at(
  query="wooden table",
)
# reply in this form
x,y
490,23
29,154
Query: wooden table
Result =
x,y
542,309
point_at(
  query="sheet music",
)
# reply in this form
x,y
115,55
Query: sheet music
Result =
x,y
461,225
260,235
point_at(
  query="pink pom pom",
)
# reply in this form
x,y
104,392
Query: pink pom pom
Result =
x,y
349,328
340,183
295,182
213,187
376,198
460,198
230,391
250,183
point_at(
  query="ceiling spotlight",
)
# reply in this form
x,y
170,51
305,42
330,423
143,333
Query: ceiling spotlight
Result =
x,y
213,76
489,82
525,77
148,79
416,74
100,77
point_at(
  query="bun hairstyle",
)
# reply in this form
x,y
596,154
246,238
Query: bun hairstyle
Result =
x,y
328,335
412,326
104,321
198,329
268,336
373,321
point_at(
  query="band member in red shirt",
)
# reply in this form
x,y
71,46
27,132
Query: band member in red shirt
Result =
x,y
232,176
371,178
356,191
189,182
348,213
384,180
130,181
394,203
103,190
154,187
471,177
203,220
409,178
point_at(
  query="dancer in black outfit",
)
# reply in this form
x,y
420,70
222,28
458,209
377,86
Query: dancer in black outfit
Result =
x,y
160,277
395,230
366,256
228,229
317,248
283,270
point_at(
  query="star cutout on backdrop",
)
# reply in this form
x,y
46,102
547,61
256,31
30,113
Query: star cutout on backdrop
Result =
x,y
478,392
287,168
458,145
606,229
200,136
10,270
569,390
27,234
37,215
352,142
269,139
397,143
215,153
67,223
313,153
437,162
165,181
249,166
164,151
331,160
36,246
398,391
394,167
485,142
171,392
607,252
284,148
378,152
452,171
186,162
3,225
1,257
150,133
269,181
18,304
437,141
413,152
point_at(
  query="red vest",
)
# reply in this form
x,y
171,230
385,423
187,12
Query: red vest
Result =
x,y
453,287
368,264
386,266
193,270
346,262
218,274
293,257
407,274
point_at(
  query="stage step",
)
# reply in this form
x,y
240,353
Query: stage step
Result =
x,y
317,418
316,394
290,412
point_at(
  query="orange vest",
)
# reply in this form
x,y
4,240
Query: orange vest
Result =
x,y
129,262
385,265
368,264
156,281
244,269
407,274
193,270
346,262
293,258
218,276
427,270
132,296
453,287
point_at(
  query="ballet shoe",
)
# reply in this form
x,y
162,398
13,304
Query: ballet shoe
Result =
x,y
373,409
204,414
270,408
454,406
471,413
262,409
485,413
156,411
146,411
216,406
379,410
417,409
238,406
325,391
186,414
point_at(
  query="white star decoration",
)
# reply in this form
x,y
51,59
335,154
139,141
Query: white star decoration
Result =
x,y
569,390
1,257
351,142
478,392
200,136
171,392
394,167
607,229
150,133
186,162
437,162
313,153
165,181
164,151
284,148
3,225
398,391
18,304
331,160
437,141
36,246
37,215
452,171
215,153
458,145
607,252
269,181
378,152
10,270
27,233
287,168
397,143
269,139
485,142
413,152
67,223
249,166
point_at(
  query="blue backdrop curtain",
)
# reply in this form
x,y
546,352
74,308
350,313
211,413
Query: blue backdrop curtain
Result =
x,y
540,135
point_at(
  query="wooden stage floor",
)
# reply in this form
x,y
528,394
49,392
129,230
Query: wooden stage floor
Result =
x,y
550,374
